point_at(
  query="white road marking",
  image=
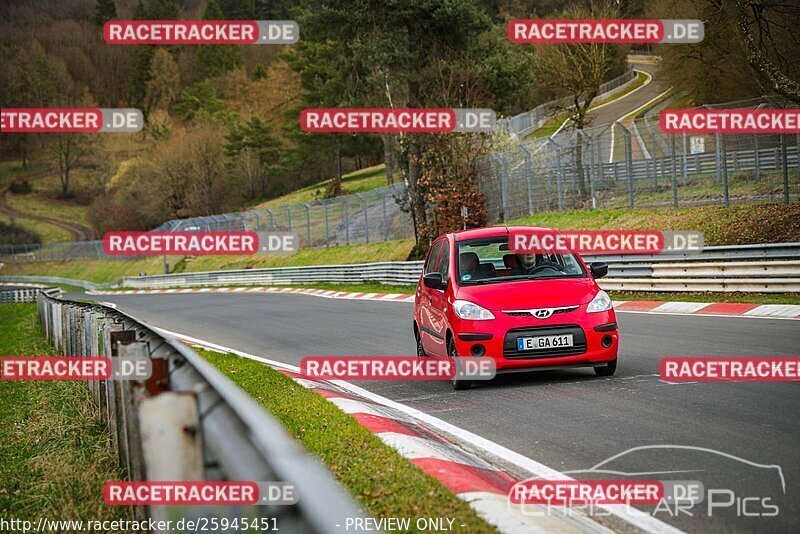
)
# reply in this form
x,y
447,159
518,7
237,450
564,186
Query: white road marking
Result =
x,y
681,307
633,516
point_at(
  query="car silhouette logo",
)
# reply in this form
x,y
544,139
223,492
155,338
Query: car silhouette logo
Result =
x,y
542,313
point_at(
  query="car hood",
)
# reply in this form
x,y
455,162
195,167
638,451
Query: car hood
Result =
x,y
527,294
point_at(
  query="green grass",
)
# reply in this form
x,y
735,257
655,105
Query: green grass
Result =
x,y
9,170
104,271
704,188
99,271
53,444
377,476
44,202
551,125
735,225
49,233
354,182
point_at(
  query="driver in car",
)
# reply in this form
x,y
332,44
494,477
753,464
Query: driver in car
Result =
x,y
533,264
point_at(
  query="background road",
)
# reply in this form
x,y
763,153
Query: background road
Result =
x,y
619,108
568,420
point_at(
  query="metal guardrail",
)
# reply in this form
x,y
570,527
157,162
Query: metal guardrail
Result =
x,y
754,268
18,295
52,280
775,264
190,422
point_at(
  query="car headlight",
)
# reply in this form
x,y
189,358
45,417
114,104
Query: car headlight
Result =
x,y
601,302
468,310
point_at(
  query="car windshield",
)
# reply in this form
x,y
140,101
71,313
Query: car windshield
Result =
x,y
486,261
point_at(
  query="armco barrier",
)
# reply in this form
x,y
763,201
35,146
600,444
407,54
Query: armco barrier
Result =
x,y
776,266
773,268
190,422
52,280
16,295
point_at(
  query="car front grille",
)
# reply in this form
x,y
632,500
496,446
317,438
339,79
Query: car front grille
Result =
x,y
510,342
529,313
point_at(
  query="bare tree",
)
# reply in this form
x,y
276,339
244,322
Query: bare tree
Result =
x,y
757,22
67,151
578,70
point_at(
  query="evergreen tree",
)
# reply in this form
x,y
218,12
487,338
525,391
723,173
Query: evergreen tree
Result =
x,y
213,60
105,10
238,9
143,55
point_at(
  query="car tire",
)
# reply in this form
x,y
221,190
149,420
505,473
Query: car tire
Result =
x,y
607,370
420,348
458,384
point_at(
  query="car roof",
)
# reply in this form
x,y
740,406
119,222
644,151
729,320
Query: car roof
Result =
x,y
493,231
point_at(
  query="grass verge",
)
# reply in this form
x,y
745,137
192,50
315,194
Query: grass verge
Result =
x,y
104,271
49,233
45,201
377,476
354,182
53,445
735,225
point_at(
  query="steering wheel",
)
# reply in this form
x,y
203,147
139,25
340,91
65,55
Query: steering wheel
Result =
x,y
549,265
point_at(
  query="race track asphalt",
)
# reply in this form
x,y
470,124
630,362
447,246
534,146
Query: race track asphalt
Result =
x,y
567,420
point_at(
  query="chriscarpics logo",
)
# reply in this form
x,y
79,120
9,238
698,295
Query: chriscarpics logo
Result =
x,y
665,481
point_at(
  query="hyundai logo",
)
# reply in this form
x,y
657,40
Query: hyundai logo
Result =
x,y
542,313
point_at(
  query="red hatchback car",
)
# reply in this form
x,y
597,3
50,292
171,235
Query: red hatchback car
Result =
x,y
526,311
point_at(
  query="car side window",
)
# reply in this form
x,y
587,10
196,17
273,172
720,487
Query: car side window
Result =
x,y
433,258
444,261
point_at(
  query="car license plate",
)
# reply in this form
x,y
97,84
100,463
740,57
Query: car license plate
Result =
x,y
544,342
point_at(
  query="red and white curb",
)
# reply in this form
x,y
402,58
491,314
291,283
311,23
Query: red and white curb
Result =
x,y
714,309
468,465
719,309
21,284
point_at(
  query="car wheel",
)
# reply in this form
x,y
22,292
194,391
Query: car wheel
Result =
x,y
609,369
420,348
458,384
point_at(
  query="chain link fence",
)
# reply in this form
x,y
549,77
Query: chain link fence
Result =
x,y
367,217
633,164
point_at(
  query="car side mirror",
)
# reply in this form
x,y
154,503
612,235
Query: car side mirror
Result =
x,y
434,281
599,269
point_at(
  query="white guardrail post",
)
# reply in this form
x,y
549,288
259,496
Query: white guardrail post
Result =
x,y
190,422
